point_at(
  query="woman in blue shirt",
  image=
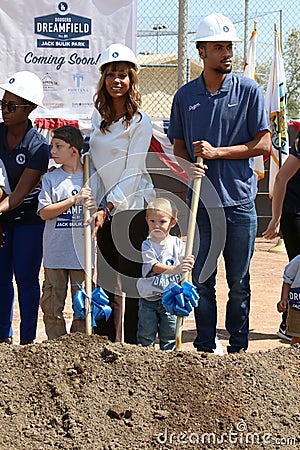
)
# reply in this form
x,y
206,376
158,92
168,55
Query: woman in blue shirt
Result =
x,y
25,154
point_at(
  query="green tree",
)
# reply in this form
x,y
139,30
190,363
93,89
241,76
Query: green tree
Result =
x,y
291,53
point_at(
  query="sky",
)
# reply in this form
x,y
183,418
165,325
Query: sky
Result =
x,y
158,13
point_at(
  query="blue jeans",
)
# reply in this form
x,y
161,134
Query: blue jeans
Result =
x,y
235,237
153,320
20,256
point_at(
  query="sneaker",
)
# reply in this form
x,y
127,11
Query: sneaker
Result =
x,y
6,340
26,342
282,333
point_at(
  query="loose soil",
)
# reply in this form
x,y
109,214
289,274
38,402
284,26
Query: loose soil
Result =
x,y
83,392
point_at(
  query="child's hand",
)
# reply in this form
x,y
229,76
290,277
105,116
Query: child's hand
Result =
x,y
282,305
186,264
86,198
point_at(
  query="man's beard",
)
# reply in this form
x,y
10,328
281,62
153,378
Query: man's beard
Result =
x,y
223,71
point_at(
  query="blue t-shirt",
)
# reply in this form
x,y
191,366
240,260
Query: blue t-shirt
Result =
x,y
233,115
291,204
32,153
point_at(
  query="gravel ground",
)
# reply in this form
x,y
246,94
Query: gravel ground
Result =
x,y
83,392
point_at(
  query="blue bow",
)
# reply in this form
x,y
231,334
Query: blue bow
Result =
x,y
179,300
99,304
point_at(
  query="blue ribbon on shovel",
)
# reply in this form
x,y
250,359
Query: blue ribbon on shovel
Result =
x,y
180,300
99,303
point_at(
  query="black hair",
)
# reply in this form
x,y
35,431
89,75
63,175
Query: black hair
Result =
x,y
27,102
200,44
69,134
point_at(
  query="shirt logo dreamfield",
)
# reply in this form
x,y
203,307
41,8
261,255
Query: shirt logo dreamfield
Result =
x,y
63,28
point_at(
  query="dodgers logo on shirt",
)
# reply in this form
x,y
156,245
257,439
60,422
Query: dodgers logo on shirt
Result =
x,y
20,158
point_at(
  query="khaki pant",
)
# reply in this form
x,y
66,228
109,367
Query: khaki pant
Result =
x,y
293,322
55,288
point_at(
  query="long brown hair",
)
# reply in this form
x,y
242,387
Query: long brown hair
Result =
x,y
103,102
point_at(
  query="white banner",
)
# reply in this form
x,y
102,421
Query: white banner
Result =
x,y
61,42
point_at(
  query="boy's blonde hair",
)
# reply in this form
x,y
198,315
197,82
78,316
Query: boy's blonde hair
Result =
x,y
165,205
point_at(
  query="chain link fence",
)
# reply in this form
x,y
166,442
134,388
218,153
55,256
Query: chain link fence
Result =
x,y
168,58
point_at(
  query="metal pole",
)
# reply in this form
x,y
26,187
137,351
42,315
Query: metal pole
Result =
x,y
182,43
280,28
246,37
188,70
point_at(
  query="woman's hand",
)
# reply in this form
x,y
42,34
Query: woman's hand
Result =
x,y
272,231
99,217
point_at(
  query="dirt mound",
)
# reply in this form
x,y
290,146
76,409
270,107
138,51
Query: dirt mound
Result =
x,y
82,392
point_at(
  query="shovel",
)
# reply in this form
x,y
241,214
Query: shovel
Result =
x,y
87,304
189,246
179,300
87,251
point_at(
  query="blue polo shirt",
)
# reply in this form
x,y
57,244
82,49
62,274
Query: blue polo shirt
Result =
x,y
233,115
33,153
291,204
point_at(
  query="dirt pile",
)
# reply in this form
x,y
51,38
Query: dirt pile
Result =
x,y
83,392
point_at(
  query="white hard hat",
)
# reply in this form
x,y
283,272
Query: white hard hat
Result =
x,y
116,53
26,85
216,27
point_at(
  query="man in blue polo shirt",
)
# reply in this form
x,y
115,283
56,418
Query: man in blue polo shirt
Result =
x,y
221,118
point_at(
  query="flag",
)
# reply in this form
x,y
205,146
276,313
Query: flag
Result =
x,y
163,148
250,63
277,109
250,72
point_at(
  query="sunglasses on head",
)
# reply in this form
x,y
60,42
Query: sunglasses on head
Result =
x,y
11,106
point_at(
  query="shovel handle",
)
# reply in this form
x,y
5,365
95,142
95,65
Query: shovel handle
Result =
x,y
87,251
189,245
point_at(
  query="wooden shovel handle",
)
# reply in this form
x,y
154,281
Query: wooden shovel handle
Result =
x,y
189,245
87,251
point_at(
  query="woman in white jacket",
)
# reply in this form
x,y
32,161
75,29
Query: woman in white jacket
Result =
x,y
119,143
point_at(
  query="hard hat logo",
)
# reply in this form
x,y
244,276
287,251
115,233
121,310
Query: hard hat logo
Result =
x,y
11,81
118,52
226,29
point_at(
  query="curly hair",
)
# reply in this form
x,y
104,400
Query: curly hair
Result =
x,y
103,102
